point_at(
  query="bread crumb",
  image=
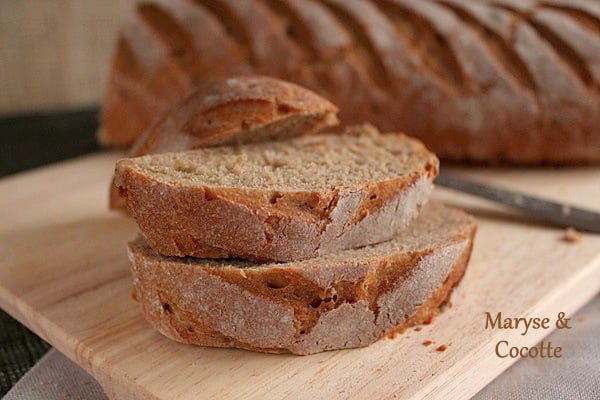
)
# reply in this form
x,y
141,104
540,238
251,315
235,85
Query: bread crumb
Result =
x,y
133,295
392,335
427,342
418,329
442,347
572,236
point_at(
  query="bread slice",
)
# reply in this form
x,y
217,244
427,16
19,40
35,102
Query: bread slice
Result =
x,y
233,111
238,110
343,300
280,201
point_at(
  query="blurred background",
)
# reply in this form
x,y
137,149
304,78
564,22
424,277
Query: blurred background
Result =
x,y
54,56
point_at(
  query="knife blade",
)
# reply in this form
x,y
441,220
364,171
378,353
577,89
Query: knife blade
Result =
x,y
557,213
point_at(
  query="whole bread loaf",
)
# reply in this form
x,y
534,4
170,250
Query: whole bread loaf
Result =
x,y
343,300
486,81
234,110
279,201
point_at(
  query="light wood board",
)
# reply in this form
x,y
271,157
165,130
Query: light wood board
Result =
x,y
64,273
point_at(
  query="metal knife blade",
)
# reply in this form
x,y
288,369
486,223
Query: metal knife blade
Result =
x,y
561,214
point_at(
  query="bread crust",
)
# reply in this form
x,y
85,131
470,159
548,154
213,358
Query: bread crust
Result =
x,y
493,90
243,109
268,225
234,111
291,307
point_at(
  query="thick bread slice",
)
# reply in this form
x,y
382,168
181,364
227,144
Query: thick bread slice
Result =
x,y
343,300
233,111
279,201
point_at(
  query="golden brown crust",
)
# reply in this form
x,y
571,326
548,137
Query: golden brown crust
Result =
x,y
288,308
493,90
234,110
267,225
237,110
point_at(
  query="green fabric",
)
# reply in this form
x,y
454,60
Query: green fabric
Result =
x,y
19,350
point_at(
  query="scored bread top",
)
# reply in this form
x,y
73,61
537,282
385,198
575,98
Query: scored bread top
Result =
x,y
237,110
459,74
311,163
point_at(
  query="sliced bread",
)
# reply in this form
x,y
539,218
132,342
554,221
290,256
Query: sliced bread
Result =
x,y
280,201
237,110
342,300
233,111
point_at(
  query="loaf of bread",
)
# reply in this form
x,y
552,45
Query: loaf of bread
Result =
x,y
485,81
343,300
234,111
279,201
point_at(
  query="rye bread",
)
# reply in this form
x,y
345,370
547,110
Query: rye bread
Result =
x,y
279,201
235,110
487,81
342,300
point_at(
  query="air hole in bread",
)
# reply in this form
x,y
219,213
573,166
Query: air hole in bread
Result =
x,y
373,197
277,282
167,308
209,195
316,303
275,197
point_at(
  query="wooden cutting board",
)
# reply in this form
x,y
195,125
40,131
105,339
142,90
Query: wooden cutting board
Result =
x,y
64,274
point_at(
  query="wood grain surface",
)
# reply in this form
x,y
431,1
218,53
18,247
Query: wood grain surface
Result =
x,y
64,273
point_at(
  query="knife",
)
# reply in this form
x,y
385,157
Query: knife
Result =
x,y
561,214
